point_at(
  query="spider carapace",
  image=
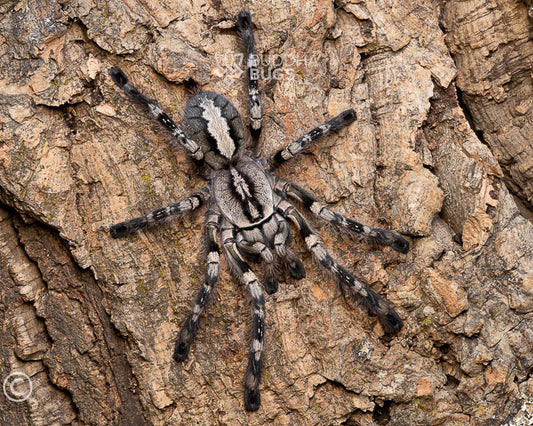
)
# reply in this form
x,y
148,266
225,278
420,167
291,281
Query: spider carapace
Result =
x,y
249,208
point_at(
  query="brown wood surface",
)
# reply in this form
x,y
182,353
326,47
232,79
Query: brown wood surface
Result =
x,y
441,152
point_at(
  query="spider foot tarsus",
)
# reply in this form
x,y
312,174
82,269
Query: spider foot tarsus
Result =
x,y
376,305
187,333
181,350
118,77
125,228
296,269
252,399
244,20
379,236
252,396
400,244
387,316
345,118
395,241
118,231
271,284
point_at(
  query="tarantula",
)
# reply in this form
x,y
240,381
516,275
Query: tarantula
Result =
x,y
249,207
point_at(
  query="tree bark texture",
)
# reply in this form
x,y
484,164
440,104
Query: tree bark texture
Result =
x,y
441,152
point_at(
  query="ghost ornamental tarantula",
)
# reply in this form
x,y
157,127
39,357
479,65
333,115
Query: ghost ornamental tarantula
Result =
x,y
249,207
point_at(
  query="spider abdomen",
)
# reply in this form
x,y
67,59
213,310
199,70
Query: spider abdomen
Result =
x,y
243,193
214,122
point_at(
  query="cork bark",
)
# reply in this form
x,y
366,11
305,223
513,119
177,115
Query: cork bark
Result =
x,y
441,152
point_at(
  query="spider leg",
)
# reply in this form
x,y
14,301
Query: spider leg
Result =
x,y
156,112
244,23
260,248
252,378
350,286
311,203
291,150
186,205
295,265
190,327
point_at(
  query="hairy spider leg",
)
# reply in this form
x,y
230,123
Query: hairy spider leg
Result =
x,y
311,203
190,327
186,205
244,23
242,271
294,148
270,240
156,112
270,279
285,253
351,287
